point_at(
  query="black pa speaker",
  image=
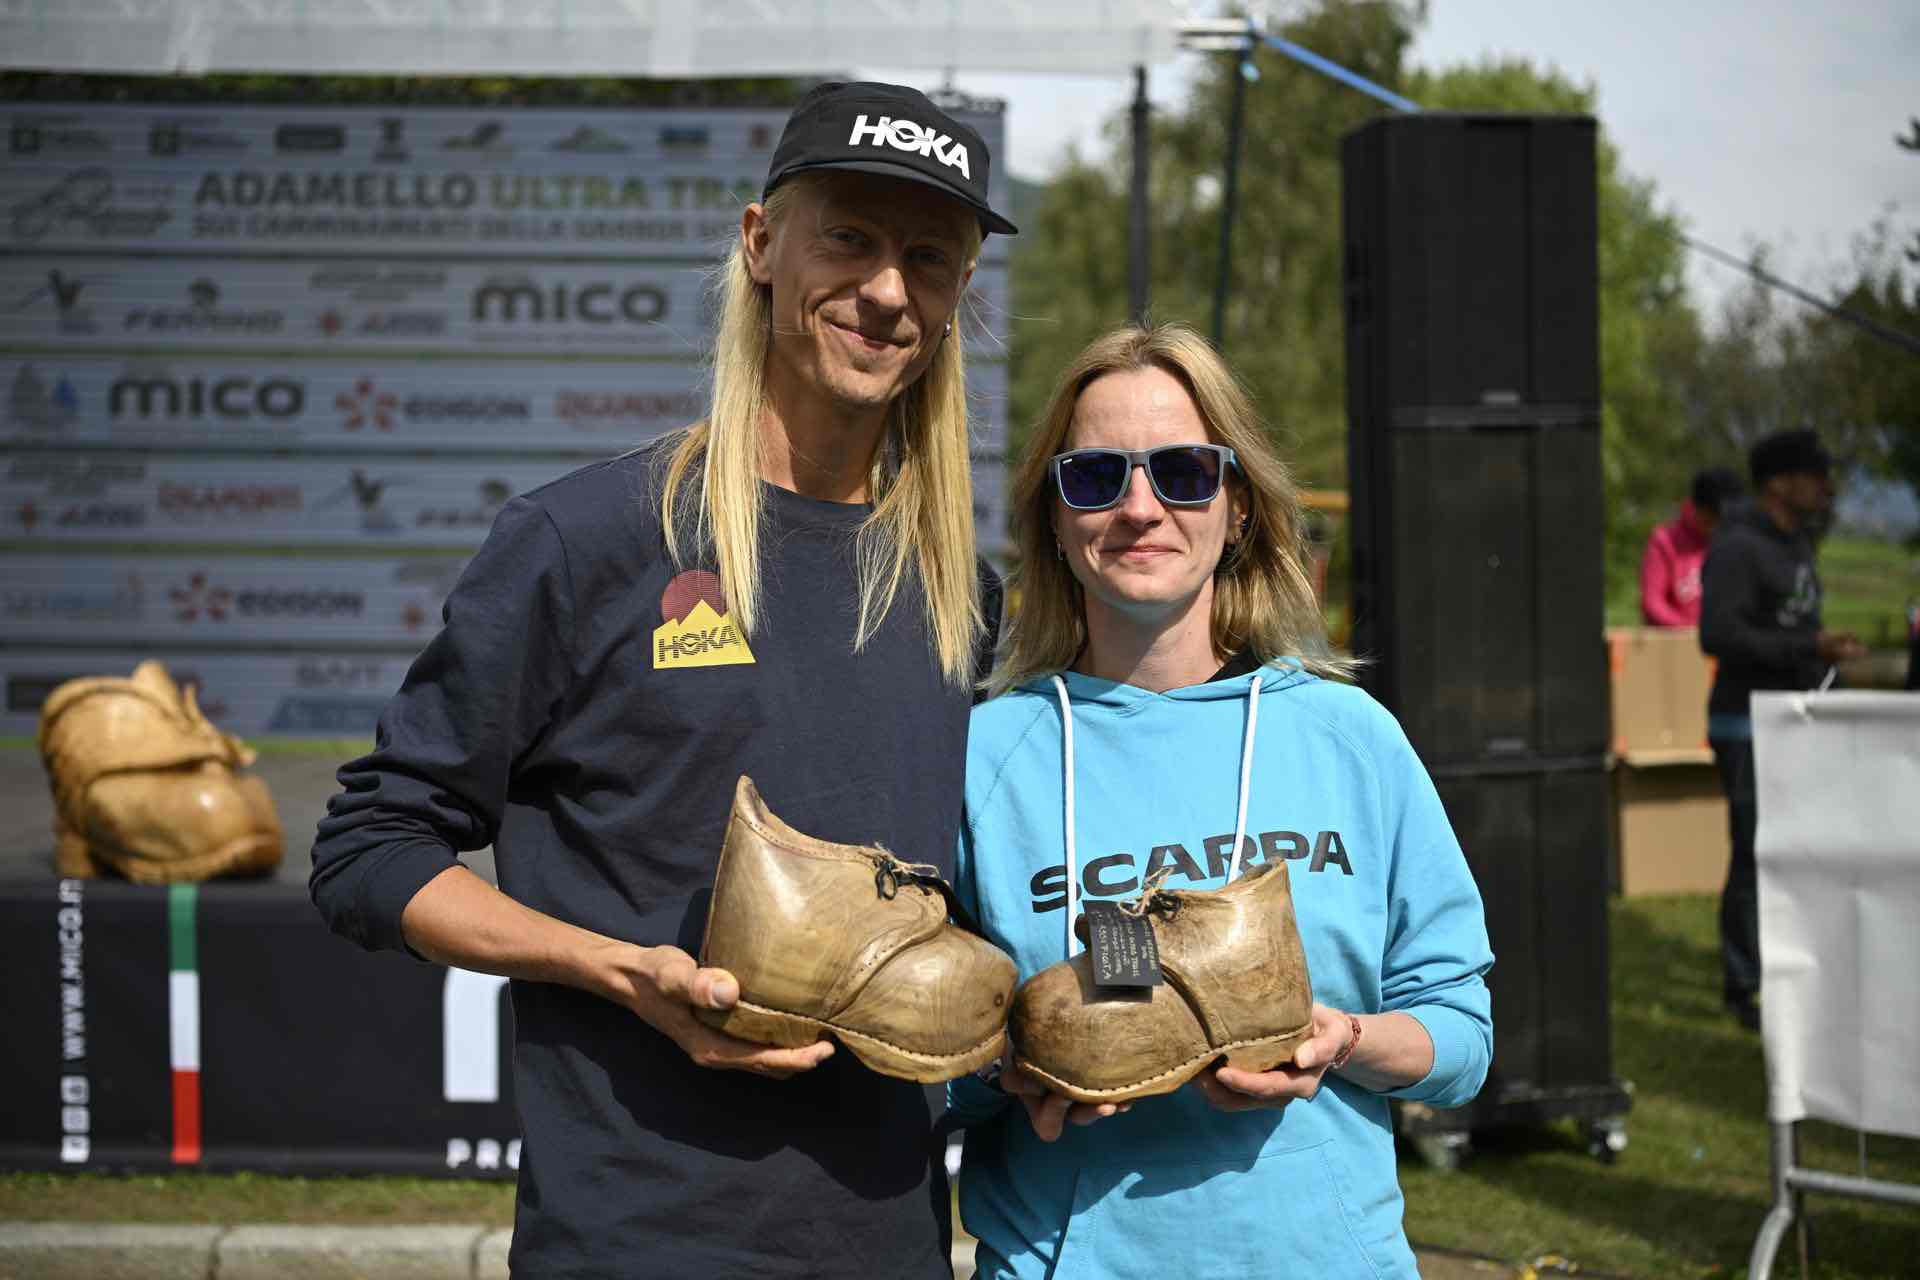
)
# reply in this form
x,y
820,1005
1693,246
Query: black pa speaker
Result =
x,y
1474,432
1473,396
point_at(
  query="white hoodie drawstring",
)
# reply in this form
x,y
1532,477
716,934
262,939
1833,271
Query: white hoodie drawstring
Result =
x,y
1066,730
1066,752
1246,774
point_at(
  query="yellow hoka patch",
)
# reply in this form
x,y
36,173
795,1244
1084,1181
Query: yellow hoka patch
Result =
x,y
702,639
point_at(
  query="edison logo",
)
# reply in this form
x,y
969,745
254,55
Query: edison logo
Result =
x,y
694,630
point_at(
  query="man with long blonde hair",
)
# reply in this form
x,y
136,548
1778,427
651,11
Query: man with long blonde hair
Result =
x,y
786,589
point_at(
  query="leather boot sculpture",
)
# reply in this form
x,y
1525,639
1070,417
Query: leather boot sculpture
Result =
x,y
1235,987
847,940
145,787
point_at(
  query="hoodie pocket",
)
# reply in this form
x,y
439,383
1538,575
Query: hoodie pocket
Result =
x,y
1279,1214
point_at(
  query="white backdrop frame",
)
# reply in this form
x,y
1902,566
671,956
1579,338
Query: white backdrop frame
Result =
x,y
650,38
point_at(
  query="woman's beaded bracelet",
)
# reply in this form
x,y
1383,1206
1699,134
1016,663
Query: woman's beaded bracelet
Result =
x,y
1340,1059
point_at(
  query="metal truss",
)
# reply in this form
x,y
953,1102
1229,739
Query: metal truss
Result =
x,y
586,37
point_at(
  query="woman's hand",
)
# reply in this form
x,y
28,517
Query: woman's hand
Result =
x,y
1230,1089
1050,1112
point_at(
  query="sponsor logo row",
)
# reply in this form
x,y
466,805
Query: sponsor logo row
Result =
x,y
49,401
198,599
382,138
323,694
66,498
536,182
242,600
200,311
385,304
391,406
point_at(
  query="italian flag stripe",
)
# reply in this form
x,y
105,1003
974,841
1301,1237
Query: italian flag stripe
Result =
x,y
183,1020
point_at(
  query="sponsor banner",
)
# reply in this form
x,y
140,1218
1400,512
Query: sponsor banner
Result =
x,y
384,305
401,1067
80,497
220,600
325,695
374,406
76,498
353,405
990,507
662,182
988,407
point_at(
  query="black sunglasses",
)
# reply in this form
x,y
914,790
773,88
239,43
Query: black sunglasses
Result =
x,y
1182,475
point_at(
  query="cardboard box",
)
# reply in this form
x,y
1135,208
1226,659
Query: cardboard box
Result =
x,y
1669,829
1660,681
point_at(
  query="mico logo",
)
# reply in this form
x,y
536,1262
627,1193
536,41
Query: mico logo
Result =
x,y
602,303
905,135
195,397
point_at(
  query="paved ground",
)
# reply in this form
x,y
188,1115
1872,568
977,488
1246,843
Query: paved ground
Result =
x,y
264,1251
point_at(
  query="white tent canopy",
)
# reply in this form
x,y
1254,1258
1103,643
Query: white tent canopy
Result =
x,y
652,38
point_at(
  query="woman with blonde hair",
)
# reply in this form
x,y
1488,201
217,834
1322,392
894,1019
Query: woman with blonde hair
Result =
x,y
1165,712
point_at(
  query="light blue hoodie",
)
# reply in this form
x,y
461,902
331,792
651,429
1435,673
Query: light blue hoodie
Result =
x,y
1389,914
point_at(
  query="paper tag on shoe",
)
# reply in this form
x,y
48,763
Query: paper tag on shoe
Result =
x,y
1121,947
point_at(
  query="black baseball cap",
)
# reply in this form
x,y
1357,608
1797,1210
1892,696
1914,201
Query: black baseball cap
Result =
x,y
1788,453
891,130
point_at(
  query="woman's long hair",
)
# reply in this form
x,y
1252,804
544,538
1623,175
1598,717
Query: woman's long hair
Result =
x,y
921,483
1263,600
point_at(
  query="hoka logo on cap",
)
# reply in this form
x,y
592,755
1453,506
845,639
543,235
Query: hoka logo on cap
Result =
x,y
905,135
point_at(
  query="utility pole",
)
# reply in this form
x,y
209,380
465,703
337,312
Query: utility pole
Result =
x,y
1139,244
1235,36
1230,201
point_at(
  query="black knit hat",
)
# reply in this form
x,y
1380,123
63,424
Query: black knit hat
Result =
x,y
888,129
1788,453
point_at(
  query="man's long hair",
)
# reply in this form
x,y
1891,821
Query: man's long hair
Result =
x,y
1263,598
921,484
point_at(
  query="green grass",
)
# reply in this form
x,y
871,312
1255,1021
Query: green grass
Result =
x,y
1690,1191
1681,1203
251,1197
1868,588
1868,585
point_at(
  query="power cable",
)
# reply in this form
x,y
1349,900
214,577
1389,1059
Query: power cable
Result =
x,y
1886,333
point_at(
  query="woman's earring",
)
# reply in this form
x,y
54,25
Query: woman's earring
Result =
x,y
1058,554
949,332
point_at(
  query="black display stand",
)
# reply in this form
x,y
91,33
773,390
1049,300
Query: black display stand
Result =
x,y
313,1056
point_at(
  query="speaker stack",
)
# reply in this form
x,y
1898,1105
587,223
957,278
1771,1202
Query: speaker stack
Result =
x,y
1473,398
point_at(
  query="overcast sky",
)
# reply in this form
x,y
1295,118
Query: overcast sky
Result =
x,y
1758,120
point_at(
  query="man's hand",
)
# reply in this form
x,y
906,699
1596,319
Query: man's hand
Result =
x,y
1049,1112
1838,646
459,919
1230,1089
666,986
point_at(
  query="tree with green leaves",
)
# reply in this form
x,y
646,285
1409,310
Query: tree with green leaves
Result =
x,y
1649,332
1285,328
1848,371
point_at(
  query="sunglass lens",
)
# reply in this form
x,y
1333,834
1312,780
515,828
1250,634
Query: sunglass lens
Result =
x,y
1186,475
1092,479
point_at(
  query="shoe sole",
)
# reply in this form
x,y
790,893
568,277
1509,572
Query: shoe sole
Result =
x,y
1263,1054
74,857
761,1025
